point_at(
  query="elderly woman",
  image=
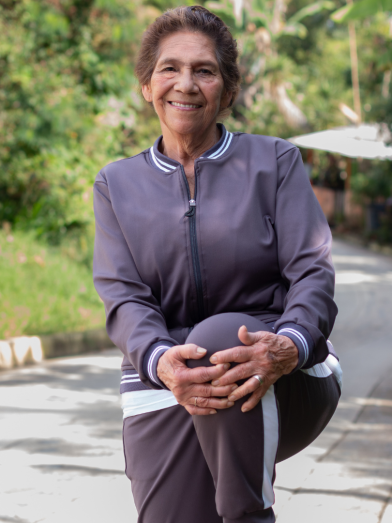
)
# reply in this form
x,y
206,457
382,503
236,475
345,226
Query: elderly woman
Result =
x,y
213,260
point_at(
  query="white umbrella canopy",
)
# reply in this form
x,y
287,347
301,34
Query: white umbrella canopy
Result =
x,y
363,141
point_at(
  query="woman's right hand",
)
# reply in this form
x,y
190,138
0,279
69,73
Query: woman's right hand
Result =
x,y
192,387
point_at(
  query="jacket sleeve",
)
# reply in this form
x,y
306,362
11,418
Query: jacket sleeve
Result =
x,y
134,320
304,253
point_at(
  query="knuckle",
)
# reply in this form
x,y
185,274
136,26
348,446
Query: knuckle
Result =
x,y
206,391
203,402
204,374
241,371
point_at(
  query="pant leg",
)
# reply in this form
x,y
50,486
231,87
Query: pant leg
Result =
x,y
241,448
306,403
170,480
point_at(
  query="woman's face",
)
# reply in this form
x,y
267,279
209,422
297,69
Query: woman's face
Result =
x,y
186,87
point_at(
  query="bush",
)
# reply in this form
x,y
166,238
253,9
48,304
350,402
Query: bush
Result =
x,y
42,290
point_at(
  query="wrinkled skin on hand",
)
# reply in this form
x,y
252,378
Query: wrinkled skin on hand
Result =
x,y
187,384
265,354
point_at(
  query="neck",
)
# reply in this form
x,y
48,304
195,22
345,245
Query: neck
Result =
x,y
185,148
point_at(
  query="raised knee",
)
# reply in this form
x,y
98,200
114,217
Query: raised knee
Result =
x,y
220,332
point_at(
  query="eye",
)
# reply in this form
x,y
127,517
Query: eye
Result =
x,y
169,69
205,71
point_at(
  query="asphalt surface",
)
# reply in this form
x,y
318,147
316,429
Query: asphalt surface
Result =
x,y
61,455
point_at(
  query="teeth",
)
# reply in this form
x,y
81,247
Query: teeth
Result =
x,y
176,104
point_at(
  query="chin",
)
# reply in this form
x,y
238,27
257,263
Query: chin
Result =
x,y
188,127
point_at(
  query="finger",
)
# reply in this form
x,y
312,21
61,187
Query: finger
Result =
x,y
214,403
190,351
197,411
254,399
240,372
207,374
235,354
250,338
251,385
208,391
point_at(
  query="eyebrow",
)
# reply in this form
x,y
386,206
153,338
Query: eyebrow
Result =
x,y
200,62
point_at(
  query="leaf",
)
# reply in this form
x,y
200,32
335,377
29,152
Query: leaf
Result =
x,y
295,30
309,10
360,10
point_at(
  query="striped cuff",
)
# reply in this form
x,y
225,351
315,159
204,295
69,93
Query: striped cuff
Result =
x,y
150,362
302,340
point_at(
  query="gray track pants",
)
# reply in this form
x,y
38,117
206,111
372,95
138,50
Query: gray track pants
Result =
x,y
221,468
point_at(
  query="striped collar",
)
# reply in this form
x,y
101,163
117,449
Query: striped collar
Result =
x,y
165,164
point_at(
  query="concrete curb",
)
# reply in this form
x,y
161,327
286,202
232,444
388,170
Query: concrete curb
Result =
x,y
359,241
27,350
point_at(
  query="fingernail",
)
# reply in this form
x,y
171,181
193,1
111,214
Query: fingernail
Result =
x,y
244,409
200,350
215,383
231,397
213,359
230,403
234,387
226,366
212,411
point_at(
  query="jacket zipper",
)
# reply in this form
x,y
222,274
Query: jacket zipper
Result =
x,y
191,214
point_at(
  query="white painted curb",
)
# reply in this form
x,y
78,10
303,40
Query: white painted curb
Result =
x,y
19,351
25,350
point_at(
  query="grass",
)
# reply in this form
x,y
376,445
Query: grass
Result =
x,y
42,291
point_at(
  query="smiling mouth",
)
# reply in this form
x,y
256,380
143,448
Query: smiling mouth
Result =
x,y
185,106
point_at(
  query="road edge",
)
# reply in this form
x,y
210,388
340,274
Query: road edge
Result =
x,y
28,350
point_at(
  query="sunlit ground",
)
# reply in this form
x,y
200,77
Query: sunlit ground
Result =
x,y
61,455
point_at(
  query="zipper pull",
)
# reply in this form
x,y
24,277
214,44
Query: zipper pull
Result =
x,y
192,209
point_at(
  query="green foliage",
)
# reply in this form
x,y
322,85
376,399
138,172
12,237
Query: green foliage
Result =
x,y
69,100
43,291
68,105
376,183
361,9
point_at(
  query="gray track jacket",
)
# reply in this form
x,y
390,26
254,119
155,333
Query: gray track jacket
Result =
x,y
254,240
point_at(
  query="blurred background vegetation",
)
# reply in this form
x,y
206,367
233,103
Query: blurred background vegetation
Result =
x,y
69,104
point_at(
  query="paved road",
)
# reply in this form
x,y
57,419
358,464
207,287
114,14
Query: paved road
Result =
x,y
60,426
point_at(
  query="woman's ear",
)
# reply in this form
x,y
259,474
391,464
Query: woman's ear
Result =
x,y
226,100
146,91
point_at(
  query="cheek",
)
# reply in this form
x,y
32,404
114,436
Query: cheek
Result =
x,y
214,93
159,88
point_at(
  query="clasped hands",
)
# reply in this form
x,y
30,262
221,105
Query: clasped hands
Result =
x,y
265,354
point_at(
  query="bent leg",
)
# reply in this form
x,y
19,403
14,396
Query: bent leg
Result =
x,y
240,448
169,476
307,401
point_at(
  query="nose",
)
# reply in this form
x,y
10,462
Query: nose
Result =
x,y
186,82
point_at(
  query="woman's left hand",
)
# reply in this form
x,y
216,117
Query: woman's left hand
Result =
x,y
265,354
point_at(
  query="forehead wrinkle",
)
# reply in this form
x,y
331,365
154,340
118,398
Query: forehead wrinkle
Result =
x,y
187,43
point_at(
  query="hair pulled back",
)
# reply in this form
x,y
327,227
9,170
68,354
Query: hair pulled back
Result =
x,y
193,19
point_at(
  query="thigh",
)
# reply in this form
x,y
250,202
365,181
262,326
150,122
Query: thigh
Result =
x,y
306,404
170,480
